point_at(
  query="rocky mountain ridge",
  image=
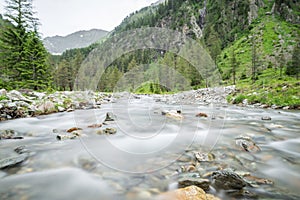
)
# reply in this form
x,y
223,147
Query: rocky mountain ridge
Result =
x,y
80,39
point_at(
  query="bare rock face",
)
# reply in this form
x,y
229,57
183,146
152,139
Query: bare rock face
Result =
x,y
188,193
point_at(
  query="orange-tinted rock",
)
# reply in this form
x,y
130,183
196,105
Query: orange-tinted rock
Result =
x,y
73,129
201,115
188,193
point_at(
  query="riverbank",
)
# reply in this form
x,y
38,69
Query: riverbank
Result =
x,y
26,103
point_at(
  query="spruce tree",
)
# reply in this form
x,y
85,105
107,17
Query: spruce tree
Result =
x,y
22,52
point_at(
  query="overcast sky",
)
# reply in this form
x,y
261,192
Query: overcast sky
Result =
x,y
62,17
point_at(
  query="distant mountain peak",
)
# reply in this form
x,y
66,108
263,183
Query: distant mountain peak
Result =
x,y
83,38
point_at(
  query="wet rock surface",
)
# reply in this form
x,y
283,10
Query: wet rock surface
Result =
x,y
188,193
228,180
189,181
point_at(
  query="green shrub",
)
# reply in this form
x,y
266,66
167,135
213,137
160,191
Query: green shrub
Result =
x,y
239,98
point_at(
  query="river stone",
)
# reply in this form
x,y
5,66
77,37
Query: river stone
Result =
x,y
189,181
66,137
47,107
70,130
61,109
201,115
266,118
14,160
228,180
174,115
204,157
188,193
95,126
246,143
108,131
21,150
109,117
9,134
3,92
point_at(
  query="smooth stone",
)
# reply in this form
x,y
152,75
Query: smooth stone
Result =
x,y
65,137
174,115
266,118
204,157
14,160
247,144
189,181
70,130
188,193
108,131
9,134
201,115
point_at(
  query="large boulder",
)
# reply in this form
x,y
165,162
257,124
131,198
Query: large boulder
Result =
x,y
46,107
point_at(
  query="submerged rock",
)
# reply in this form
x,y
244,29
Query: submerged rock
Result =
x,y
14,160
95,126
174,114
188,193
247,144
256,181
9,134
66,136
228,180
201,115
266,118
108,131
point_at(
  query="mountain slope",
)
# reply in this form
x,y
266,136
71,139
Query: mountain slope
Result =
x,y
80,39
251,42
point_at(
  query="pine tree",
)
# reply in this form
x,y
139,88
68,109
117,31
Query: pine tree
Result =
x,y
293,68
22,53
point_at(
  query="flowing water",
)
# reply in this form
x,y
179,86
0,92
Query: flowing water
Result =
x,y
149,151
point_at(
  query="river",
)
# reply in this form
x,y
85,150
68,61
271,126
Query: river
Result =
x,y
150,151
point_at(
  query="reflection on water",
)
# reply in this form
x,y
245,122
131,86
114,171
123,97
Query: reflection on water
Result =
x,y
148,150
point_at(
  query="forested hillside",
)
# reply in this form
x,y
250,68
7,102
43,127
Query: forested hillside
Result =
x,y
253,43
